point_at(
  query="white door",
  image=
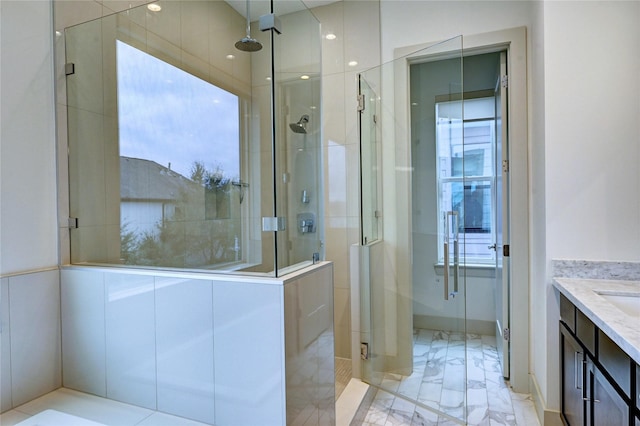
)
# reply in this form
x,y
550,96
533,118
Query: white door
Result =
x,y
502,218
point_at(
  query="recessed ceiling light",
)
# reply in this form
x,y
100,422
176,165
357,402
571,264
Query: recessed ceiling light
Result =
x,y
330,36
352,63
230,57
154,7
268,79
304,77
312,107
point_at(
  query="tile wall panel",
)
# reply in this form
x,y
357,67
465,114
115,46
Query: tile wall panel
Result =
x,y
84,47
83,331
356,26
310,375
130,339
248,354
184,339
332,20
5,347
35,335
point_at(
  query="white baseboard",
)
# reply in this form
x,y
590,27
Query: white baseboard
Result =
x,y
545,416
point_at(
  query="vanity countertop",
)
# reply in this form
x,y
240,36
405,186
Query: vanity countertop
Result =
x,y
590,296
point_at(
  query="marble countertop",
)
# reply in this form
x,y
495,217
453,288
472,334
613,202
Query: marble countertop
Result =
x,y
587,295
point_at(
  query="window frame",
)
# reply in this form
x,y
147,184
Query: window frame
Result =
x,y
240,184
442,181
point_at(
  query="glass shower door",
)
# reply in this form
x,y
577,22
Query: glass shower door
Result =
x,y
369,166
413,292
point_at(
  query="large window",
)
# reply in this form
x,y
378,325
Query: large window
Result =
x,y
179,141
466,173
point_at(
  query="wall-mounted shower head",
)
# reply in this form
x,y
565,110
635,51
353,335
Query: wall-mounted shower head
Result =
x,y
301,125
248,44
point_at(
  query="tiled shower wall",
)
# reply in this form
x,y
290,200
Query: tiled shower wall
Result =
x,y
219,350
356,25
31,195
30,333
356,47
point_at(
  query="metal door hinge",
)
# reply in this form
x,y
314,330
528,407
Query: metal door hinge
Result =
x,y
505,250
505,81
505,166
69,68
73,223
506,334
364,351
270,224
270,22
360,103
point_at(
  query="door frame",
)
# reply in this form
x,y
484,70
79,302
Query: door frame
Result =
x,y
514,41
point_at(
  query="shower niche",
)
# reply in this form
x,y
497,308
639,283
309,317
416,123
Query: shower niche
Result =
x,y
188,152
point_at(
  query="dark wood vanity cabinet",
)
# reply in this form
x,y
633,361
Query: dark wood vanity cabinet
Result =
x,y
608,408
600,383
637,395
573,366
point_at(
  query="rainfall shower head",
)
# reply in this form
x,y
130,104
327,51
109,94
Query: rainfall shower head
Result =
x,y
301,125
248,44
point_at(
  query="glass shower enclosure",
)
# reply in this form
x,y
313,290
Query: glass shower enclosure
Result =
x,y
413,298
188,153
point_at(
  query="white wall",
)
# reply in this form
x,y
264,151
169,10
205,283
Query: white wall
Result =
x,y
592,150
406,22
30,344
592,119
583,153
28,238
537,224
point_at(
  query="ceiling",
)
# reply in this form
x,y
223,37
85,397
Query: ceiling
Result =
x,y
281,7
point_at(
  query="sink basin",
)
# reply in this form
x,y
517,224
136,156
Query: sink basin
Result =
x,y
627,303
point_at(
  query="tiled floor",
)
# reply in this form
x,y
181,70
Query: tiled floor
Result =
x,y
438,359
93,408
438,383
343,375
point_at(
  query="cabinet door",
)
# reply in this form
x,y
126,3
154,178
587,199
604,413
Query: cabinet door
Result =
x,y
637,395
608,407
573,375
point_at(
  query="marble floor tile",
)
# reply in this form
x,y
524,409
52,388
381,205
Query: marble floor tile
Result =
x,y
94,408
474,392
422,417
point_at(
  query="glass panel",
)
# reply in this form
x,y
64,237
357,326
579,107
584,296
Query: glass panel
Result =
x,y
369,164
168,160
414,303
466,172
180,205
298,136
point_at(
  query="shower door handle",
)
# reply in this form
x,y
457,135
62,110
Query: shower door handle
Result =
x,y
456,254
446,269
456,265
